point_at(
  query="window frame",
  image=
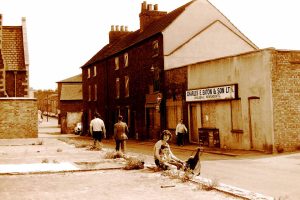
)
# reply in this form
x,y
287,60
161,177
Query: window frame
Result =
x,y
117,63
126,85
117,87
126,60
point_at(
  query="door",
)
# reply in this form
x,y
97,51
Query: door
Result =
x,y
194,125
255,125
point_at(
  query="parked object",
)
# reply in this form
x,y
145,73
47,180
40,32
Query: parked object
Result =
x,y
78,128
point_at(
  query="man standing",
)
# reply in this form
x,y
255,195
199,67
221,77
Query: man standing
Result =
x,y
120,134
180,131
97,129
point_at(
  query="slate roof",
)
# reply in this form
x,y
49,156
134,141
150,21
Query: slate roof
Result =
x,y
71,92
137,36
13,48
73,79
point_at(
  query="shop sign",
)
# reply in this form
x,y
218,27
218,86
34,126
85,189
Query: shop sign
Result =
x,y
214,93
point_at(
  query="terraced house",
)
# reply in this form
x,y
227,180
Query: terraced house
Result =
x,y
143,75
14,63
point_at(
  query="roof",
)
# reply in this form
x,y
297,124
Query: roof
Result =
x,y
71,92
13,48
73,79
135,37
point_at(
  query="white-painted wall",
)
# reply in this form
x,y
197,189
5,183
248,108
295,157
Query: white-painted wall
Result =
x,y
201,33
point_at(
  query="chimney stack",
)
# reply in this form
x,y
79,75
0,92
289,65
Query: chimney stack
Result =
x,y
148,14
116,32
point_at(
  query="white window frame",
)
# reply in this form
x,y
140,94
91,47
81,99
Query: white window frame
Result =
x,y
126,60
117,63
89,73
95,71
126,86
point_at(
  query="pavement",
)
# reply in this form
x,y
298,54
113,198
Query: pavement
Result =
x,y
46,154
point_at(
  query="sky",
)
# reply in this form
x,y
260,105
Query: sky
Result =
x,y
64,34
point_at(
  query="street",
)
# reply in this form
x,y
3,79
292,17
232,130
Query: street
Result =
x,y
275,176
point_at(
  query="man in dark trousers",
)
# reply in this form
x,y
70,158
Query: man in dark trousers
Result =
x,y
97,129
120,134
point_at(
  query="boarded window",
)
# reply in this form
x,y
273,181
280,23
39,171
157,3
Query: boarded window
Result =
x,y
236,113
174,114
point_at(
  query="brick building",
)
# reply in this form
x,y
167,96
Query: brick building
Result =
x,y
70,103
142,74
14,63
248,101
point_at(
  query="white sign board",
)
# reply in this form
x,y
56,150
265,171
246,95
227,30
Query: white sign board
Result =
x,y
214,93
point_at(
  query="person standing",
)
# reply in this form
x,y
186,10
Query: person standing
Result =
x,y
120,134
97,129
180,131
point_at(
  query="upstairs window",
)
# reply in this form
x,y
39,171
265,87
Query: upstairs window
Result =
x,y
126,60
90,91
95,70
155,48
116,63
117,88
126,86
95,88
89,73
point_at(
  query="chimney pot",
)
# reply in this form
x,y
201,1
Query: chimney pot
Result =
x,y
156,7
144,6
117,27
112,28
122,28
150,7
126,28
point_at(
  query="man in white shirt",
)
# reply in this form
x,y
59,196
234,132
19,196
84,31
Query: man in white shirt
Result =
x,y
97,129
180,131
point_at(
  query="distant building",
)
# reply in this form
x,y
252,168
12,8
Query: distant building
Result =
x,y
142,75
14,62
70,103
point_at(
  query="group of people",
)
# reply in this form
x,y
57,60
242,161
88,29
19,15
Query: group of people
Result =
x,y
98,131
163,156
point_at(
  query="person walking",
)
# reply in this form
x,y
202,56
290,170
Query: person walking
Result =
x,y
163,156
180,132
97,129
120,134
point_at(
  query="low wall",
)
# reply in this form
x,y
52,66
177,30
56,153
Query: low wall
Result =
x,y
18,118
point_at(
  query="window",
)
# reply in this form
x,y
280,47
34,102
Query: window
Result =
x,y
174,114
126,86
155,48
89,73
95,71
117,88
126,60
95,88
236,113
90,90
116,63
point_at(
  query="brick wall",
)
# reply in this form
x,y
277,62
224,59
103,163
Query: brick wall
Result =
x,y
286,100
18,118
